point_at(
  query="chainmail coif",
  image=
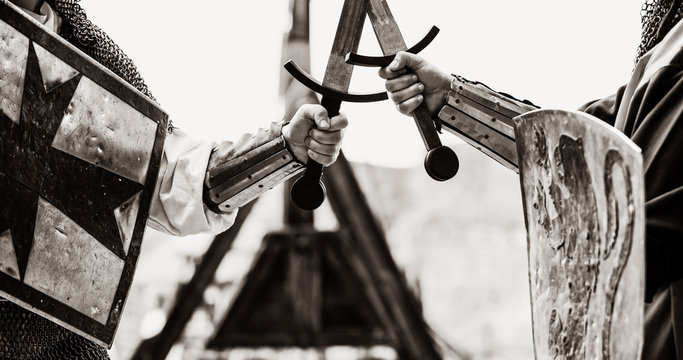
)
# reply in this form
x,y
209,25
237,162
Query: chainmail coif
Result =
x,y
658,18
89,38
78,30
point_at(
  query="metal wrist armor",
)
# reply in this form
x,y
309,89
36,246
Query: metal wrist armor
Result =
x,y
483,118
239,172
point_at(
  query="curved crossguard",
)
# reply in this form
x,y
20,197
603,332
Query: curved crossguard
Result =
x,y
307,80
441,163
308,192
380,61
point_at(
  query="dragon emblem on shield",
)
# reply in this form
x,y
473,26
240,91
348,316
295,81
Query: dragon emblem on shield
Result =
x,y
580,218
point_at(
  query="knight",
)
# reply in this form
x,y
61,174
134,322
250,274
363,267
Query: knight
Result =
x,y
648,110
199,187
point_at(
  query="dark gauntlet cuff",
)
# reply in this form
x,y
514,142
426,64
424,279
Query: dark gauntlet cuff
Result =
x,y
241,171
483,118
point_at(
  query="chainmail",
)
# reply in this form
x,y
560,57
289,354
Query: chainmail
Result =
x,y
26,335
658,17
88,37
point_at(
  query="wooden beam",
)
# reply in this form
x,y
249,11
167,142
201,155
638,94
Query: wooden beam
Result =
x,y
376,312
305,287
189,296
368,241
296,47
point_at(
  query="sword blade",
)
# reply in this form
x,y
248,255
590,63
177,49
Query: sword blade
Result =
x,y
338,72
386,30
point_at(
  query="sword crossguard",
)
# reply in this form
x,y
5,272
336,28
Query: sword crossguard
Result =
x,y
381,61
307,80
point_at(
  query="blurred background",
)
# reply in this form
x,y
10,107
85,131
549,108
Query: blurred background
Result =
x,y
215,67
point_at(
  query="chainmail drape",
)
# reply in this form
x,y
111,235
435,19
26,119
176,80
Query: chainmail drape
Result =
x,y
27,336
88,37
658,17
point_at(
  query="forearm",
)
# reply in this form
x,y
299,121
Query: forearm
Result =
x,y
240,171
201,184
483,118
177,206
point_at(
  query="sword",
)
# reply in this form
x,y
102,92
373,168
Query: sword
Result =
x,y
441,163
309,192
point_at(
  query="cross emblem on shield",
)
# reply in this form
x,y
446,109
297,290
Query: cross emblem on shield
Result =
x,y
79,157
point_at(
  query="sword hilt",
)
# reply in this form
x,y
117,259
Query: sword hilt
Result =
x,y
441,163
308,192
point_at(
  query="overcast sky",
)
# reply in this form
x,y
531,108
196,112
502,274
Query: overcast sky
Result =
x,y
214,64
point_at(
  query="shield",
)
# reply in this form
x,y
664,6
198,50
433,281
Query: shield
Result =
x,y
79,157
582,188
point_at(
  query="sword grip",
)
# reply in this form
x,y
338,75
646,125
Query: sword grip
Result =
x,y
425,125
308,192
441,163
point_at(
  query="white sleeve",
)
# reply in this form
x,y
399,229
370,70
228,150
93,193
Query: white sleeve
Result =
x,y
177,205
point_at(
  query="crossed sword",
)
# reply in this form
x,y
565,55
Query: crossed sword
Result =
x,y
441,163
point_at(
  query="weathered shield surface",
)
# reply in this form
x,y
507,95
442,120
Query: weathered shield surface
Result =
x,y
582,188
79,158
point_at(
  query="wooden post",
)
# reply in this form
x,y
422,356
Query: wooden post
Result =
x,y
305,286
296,46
